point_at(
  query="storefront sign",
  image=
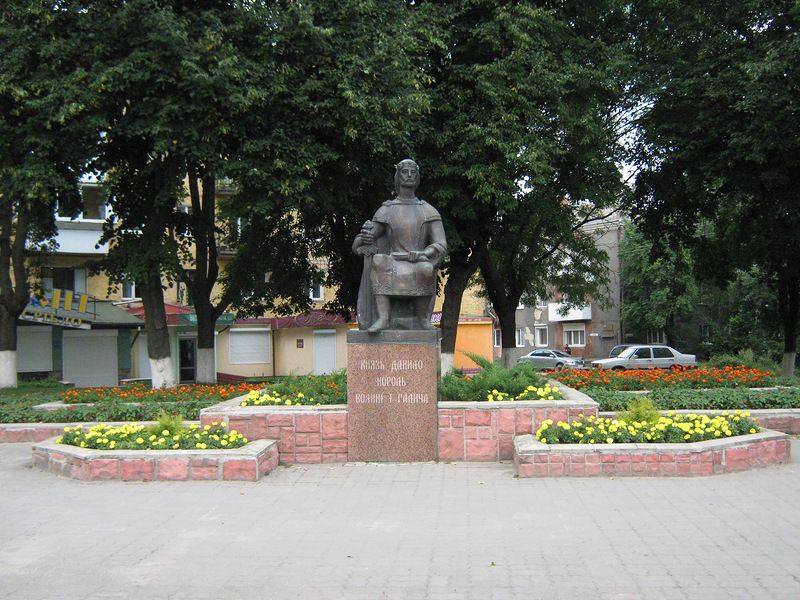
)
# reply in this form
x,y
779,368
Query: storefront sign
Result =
x,y
48,318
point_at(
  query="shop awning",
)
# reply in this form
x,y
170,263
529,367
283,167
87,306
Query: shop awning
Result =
x,y
97,314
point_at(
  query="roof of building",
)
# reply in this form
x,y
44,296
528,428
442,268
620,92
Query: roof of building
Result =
x,y
99,314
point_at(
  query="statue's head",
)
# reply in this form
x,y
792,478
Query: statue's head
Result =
x,y
406,174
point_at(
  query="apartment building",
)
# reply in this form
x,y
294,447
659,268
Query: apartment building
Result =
x,y
589,331
80,329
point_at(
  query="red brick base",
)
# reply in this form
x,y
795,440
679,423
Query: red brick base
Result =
x,y
248,463
535,459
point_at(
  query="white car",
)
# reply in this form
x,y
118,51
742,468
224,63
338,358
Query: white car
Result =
x,y
547,358
647,357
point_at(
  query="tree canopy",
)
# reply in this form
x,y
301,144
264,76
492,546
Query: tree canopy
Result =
x,y
719,144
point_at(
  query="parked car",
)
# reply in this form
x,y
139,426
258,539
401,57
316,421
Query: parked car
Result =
x,y
547,358
617,350
647,357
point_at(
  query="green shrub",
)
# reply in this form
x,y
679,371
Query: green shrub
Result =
x,y
640,410
171,423
719,399
456,386
746,358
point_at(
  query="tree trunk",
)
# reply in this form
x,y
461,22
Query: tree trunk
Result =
x,y
158,347
206,366
205,275
789,310
459,271
8,349
507,315
505,304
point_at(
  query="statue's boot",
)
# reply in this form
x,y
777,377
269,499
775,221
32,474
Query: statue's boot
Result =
x,y
378,325
384,306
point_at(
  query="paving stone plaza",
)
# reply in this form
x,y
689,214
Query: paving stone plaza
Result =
x,y
401,531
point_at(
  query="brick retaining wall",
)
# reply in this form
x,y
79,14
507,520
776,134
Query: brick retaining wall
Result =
x,y
249,463
535,459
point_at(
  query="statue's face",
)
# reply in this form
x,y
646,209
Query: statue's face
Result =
x,y
408,175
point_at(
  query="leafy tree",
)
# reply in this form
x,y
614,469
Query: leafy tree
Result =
x,y
45,140
289,101
659,285
717,143
745,317
518,141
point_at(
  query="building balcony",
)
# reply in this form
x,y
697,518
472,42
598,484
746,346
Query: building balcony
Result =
x,y
554,312
80,236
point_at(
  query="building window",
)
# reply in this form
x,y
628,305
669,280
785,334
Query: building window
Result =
x,y
93,204
316,292
498,338
129,290
541,302
248,346
656,337
541,336
520,338
574,334
63,278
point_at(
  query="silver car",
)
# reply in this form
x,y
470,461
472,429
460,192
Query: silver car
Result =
x,y
545,358
647,357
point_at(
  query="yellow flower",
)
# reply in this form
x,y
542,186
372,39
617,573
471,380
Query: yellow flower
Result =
x,y
609,440
139,440
288,402
165,432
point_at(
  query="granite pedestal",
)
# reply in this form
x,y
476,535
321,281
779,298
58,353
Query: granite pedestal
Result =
x,y
391,395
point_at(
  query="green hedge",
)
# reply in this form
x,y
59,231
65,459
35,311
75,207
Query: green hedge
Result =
x,y
720,399
106,411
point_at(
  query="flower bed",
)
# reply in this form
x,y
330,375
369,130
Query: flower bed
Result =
x,y
140,392
467,431
248,463
723,455
670,428
134,436
649,379
273,397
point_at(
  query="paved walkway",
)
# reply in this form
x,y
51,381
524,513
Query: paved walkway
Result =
x,y
374,531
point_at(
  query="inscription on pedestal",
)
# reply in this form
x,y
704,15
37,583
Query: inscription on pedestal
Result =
x,y
392,401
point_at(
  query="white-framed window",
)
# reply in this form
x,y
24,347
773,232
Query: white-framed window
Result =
x,y
63,278
656,337
129,290
520,338
541,302
316,292
541,336
574,334
248,346
93,204
498,337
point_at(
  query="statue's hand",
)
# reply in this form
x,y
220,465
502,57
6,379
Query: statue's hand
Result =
x,y
367,237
